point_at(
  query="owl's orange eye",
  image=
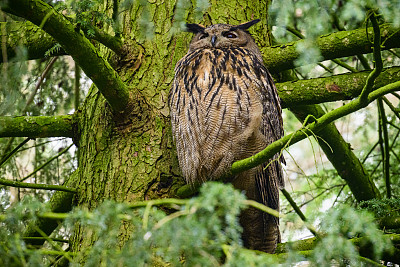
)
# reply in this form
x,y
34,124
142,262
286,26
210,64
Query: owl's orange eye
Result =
x,y
204,35
229,35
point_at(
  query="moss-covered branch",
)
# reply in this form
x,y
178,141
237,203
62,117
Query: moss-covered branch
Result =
x,y
113,42
76,45
36,186
29,36
41,126
338,87
313,127
334,45
339,153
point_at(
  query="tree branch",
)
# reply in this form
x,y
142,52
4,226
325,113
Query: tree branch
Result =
x,y
113,42
78,46
335,45
377,59
384,144
36,186
339,87
40,126
29,36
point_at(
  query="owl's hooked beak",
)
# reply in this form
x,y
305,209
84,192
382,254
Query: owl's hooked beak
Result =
x,y
213,40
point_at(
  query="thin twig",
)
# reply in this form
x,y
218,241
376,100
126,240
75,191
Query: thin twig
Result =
x,y
364,62
6,157
36,186
44,165
337,197
344,65
42,238
293,204
394,53
77,86
385,146
369,152
320,194
377,60
396,111
396,95
39,83
298,211
53,244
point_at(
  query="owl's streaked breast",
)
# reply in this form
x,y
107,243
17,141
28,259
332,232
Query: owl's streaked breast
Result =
x,y
217,105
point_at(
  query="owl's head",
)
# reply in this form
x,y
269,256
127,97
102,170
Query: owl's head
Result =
x,y
222,35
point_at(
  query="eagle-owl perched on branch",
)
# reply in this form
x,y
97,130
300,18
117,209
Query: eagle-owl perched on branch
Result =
x,y
225,107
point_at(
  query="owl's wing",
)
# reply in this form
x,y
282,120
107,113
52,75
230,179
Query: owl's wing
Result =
x,y
269,178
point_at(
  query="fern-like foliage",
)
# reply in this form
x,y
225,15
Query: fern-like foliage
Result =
x,y
54,50
205,231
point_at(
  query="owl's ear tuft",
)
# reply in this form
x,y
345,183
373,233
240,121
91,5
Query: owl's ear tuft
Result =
x,y
246,25
194,28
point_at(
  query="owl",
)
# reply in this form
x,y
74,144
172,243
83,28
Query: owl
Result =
x,y
224,107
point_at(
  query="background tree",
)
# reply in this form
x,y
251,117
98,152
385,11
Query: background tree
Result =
x,y
128,49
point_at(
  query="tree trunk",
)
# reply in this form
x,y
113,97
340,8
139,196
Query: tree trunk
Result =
x,y
130,158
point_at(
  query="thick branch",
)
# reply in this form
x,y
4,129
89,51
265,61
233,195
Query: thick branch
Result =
x,y
41,126
338,87
341,156
113,42
76,45
29,36
334,45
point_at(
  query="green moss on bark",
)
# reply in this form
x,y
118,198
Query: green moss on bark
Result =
x,y
41,126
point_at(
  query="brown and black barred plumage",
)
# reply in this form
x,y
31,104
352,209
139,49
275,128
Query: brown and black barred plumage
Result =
x,y
225,107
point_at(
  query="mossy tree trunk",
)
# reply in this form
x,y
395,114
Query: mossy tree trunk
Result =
x,y
130,157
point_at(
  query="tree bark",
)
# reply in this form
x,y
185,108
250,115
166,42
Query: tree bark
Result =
x,y
131,159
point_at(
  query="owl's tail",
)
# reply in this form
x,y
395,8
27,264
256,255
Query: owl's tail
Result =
x,y
260,230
